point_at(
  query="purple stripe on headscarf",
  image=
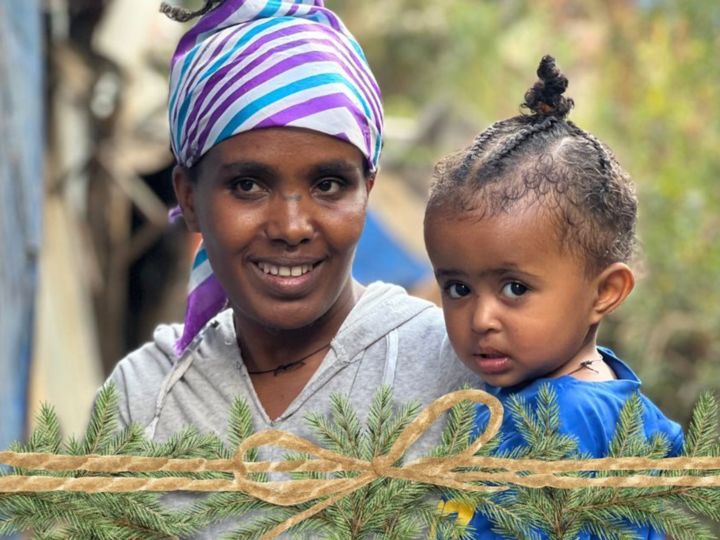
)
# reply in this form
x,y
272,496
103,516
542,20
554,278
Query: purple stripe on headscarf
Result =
x,y
312,106
265,76
310,56
214,20
198,70
174,214
221,74
208,23
203,303
362,69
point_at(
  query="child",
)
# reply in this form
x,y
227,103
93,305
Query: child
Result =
x,y
530,231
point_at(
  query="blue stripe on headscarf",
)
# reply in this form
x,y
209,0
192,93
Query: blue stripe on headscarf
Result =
x,y
270,8
187,61
280,93
200,258
219,63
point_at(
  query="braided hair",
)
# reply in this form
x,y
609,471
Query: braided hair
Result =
x,y
180,14
541,157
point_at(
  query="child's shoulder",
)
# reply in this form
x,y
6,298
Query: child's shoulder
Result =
x,y
590,411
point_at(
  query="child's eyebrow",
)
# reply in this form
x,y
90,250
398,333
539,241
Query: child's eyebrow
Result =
x,y
448,272
502,269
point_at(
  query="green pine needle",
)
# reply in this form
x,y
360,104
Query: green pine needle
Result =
x,y
387,508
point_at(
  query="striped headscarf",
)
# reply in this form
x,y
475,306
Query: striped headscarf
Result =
x,y
253,64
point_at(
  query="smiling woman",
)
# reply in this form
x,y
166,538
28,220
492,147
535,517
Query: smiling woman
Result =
x,y
276,124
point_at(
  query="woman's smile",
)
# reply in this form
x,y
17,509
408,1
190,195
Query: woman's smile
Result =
x,y
290,279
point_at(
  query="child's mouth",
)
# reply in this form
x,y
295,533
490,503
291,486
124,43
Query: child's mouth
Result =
x,y
491,362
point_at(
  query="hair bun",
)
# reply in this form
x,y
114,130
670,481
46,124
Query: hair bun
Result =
x,y
545,98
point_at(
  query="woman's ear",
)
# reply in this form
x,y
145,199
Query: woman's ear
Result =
x,y
370,182
614,284
184,187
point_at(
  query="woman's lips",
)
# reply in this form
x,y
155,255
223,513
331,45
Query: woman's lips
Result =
x,y
288,278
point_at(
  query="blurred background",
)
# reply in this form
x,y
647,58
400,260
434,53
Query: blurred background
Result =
x,y
90,264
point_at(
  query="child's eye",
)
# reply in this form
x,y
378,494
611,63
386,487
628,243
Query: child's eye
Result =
x,y
457,290
329,186
514,290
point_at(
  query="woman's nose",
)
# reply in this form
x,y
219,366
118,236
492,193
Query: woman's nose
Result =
x,y
290,220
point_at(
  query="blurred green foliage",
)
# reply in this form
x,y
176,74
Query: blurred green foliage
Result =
x,y
645,78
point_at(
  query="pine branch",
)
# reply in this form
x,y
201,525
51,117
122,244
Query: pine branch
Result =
x,y
347,424
103,421
387,508
240,426
46,437
629,437
701,438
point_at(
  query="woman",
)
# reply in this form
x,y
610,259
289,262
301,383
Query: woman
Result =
x,y
276,124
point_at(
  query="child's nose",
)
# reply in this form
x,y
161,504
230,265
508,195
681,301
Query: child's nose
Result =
x,y
484,317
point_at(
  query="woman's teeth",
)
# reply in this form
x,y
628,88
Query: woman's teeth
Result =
x,y
285,271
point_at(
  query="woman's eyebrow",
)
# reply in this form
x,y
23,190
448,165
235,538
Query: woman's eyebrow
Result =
x,y
250,168
339,166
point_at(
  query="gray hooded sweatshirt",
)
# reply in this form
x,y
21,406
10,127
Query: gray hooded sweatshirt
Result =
x,y
388,338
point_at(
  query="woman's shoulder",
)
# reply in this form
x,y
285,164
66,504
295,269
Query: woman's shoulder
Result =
x,y
157,356
140,374
385,308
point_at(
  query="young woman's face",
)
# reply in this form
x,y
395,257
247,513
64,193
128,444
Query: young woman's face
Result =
x,y
281,211
516,305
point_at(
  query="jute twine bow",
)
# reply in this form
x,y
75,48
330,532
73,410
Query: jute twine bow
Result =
x,y
440,471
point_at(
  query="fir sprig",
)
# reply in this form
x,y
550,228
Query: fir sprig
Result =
x,y
387,508
607,513
65,514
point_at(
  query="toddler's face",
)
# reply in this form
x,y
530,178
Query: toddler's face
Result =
x,y
516,305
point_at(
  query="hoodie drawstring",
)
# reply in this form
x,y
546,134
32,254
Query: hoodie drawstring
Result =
x,y
391,358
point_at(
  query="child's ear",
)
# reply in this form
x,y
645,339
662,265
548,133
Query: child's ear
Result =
x,y
614,284
185,193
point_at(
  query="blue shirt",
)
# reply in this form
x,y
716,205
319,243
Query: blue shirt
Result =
x,y
589,411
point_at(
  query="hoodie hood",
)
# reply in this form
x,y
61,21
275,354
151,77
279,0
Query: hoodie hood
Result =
x,y
380,310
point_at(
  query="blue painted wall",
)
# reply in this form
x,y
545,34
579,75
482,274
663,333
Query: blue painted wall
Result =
x,y
21,188
381,256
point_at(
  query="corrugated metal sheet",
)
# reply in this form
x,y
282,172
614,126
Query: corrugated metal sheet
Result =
x,y
21,184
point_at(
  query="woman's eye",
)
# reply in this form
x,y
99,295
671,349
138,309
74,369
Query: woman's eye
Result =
x,y
514,290
246,185
328,186
457,290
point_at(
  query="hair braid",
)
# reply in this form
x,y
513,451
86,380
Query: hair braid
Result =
x,y
180,14
513,142
476,149
604,158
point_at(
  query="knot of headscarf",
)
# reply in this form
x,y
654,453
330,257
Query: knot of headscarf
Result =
x,y
253,64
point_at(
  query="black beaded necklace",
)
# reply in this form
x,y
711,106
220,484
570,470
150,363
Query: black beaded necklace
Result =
x,y
286,367
585,364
